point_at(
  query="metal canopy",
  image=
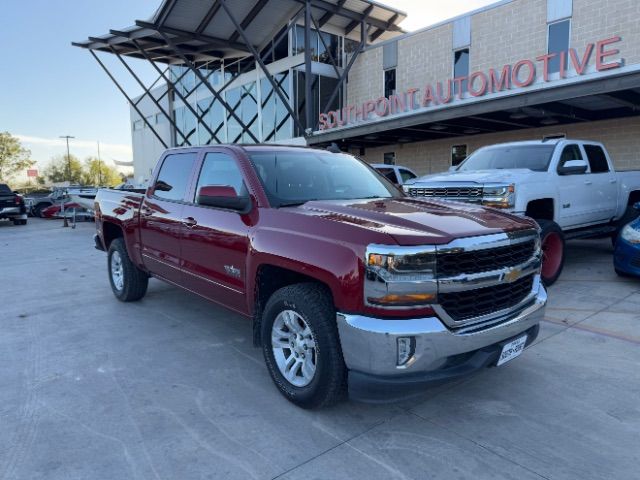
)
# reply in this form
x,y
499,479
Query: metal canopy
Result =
x,y
601,99
201,30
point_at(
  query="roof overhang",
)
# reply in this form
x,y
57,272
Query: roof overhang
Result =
x,y
203,31
612,96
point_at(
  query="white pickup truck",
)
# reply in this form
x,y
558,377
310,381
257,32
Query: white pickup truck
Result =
x,y
569,186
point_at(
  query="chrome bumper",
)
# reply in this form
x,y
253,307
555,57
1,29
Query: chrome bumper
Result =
x,y
370,345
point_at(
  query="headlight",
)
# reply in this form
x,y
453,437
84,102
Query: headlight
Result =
x,y
630,234
400,276
499,196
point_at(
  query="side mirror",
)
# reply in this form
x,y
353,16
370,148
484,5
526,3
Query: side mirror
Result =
x,y
637,206
453,168
573,167
223,196
161,186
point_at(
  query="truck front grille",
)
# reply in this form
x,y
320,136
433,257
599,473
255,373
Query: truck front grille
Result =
x,y
472,193
478,261
461,306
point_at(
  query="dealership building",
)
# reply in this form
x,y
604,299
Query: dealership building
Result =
x,y
318,72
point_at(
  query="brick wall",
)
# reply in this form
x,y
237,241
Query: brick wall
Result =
x,y
621,137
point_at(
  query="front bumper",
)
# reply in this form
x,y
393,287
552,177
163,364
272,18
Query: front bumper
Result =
x,y
370,346
626,257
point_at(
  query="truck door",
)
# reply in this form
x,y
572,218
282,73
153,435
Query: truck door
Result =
x,y
215,243
161,215
604,200
574,191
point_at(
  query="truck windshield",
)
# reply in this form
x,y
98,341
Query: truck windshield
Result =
x,y
532,157
292,178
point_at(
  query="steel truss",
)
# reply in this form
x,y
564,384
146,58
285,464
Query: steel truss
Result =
x,y
170,43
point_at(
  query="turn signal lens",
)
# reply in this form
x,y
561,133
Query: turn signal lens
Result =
x,y
410,299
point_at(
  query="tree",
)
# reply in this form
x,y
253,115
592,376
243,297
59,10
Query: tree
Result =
x,y
58,170
13,157
98,173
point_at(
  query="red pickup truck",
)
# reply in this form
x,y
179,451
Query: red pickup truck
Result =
x,y
350,284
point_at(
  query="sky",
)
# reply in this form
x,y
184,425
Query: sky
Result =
x,y
49,88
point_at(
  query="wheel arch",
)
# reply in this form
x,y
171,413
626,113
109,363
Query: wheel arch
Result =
x,y
541,209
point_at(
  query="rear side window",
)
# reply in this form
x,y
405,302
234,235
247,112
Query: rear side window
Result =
x,y
221,169
597,159
173,178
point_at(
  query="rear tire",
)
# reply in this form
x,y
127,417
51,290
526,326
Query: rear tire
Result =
x,y
297,320
37,210
553,244
128,282
20,222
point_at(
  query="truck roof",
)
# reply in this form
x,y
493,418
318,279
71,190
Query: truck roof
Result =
x,y
549,141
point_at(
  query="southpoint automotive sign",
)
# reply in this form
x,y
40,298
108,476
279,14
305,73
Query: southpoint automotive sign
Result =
x,y
511,77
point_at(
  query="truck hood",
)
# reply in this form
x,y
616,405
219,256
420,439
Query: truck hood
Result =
x,y
474,176
415,221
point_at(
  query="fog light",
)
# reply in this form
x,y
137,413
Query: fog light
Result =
x,y
406,349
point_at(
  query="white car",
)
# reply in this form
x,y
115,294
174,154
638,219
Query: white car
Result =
x,y
398,175
569,186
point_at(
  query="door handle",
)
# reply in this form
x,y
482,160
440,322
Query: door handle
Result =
x,y
189,222
588,182
613,181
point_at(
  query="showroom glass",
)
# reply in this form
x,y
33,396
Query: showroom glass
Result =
x,y
461,68
221,169
291,178
532,157
174,176
597,159
558,42
389,158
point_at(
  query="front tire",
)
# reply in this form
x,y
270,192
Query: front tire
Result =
x,y
20,222
553,243
301,346
128,282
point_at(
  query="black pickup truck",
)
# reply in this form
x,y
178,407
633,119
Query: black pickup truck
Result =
x,y
12,206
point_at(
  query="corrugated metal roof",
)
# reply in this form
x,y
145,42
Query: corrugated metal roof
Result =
x,y
203,31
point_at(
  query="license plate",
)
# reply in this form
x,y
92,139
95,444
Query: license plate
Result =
x,y
512,349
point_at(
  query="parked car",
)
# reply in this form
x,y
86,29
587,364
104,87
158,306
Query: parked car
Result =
x,y
569,186
347,281
70,209
36,205
12,206
626,257
396,174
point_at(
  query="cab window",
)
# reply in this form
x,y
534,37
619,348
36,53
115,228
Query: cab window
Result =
x,y
389,173
221,169
173,178
406,175
570,152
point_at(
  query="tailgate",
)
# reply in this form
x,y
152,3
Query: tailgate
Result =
x,y
7,201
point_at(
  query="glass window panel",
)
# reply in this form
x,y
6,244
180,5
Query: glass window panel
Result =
x,y
461,68
458,154
558,42
249,105
221,169
597,159
390,158
389,82
234,130
173,178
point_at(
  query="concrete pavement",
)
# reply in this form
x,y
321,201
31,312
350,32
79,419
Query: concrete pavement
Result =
x,y
172,388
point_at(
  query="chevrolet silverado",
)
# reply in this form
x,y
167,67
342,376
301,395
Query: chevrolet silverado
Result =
x,y
350,285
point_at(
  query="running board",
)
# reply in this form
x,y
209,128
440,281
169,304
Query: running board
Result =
x,y
598,232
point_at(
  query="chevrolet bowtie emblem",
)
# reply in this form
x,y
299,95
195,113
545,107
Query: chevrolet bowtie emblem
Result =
x,y
512,275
